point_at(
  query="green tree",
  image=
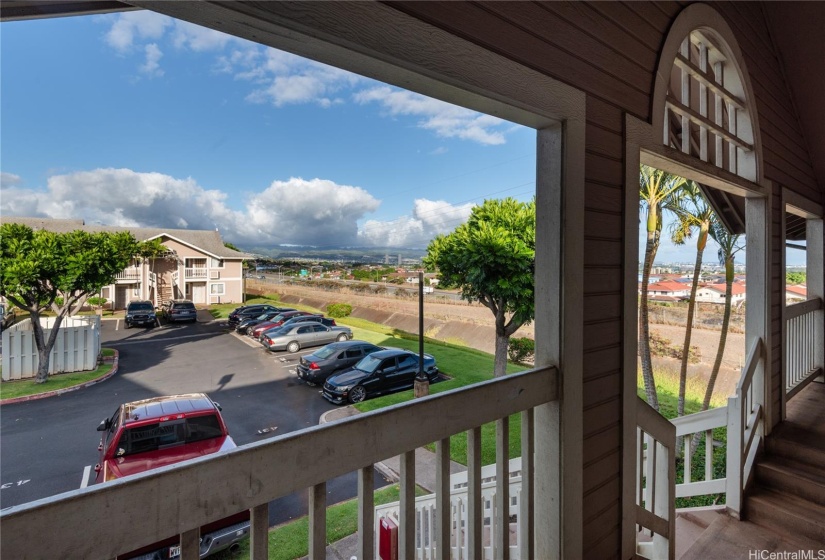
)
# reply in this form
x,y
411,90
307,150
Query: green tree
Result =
x,y
229,245
793,278
693,214
491,259
657,192
728,247
38,267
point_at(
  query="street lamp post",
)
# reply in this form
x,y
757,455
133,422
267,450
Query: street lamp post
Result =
x,y
421,387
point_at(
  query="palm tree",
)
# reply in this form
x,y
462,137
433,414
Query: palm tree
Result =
x,y
693,213
658,190
728,247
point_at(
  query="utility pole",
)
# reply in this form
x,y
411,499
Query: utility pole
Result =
x,y
421,387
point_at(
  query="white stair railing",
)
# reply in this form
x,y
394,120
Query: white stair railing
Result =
x,y
802,355
700,423
655,483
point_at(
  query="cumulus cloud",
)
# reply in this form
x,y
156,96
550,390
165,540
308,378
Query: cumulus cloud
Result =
x,y
446,120
127,27
197,38
9,179
429,218
296,211
152,65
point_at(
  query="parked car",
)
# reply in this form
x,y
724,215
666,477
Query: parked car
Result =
x,y
304,335
315,368
381,372
151,433
140,313
179,310
249,311
276,321
328,321
246,324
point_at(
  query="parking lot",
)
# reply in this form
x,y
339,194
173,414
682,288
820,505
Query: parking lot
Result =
x,y
49,446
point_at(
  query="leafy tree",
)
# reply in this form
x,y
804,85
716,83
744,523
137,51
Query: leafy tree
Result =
x,y
793,278
658,191
38,267
229,245
693,214
491,259
728,247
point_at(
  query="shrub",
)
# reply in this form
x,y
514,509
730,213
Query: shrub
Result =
x,y
97,301
339,310
521,349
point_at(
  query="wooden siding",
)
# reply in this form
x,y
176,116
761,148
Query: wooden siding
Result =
x,y
610,51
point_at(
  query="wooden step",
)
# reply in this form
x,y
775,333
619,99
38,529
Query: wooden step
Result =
x,y
792,477
786,514
790,442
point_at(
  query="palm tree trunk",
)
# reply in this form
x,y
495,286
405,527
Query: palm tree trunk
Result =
x,y
644,324
717,363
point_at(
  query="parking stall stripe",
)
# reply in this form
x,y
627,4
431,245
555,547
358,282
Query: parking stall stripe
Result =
x,y
85,480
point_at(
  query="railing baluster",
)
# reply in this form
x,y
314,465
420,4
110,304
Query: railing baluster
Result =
x,y
709,455
259,532
503,487
406,532
526,523
366,511
318,522
687,458
442,498
190,545
475,506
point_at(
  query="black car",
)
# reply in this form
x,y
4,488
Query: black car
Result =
x,y
380,372
316,367
249,311
140,313
180,310
326,321
246,324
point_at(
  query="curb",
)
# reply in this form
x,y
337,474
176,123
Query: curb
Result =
x,y
59,392
386,471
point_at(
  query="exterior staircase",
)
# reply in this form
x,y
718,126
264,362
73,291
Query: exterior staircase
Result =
x,y
165,291
784,509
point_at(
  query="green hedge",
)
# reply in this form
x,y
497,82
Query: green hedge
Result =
x,y
339,310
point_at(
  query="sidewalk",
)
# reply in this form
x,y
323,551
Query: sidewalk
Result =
x,y
425,468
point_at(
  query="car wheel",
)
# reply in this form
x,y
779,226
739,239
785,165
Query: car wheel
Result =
x,y
293,347
357,394
128,325
341,337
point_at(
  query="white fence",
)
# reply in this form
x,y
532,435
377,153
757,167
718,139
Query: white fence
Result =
x,y
803,354
425,516
76,348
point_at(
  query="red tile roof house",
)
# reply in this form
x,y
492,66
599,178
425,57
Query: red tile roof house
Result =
x,y
198,266
794,294
726,94
668,291
715,293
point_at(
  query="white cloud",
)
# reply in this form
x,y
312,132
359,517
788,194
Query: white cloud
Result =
x,y
127,27
197,38
297,211
446,120
152,65
429,218
9,179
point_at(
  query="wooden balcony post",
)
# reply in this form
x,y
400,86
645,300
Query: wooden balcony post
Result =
x,y
318,522
366,511
259,532
190,545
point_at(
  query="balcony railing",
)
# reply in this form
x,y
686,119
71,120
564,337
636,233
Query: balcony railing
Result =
x,y
130,276
803,356
195,273
120,516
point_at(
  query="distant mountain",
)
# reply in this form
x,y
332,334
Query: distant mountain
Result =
x,y
360,254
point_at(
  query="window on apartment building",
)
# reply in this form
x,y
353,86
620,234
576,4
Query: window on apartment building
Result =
x,y
216,263
217,289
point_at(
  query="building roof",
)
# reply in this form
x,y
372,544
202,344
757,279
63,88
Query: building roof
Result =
x,y
799,290
666,286
208,241
736,289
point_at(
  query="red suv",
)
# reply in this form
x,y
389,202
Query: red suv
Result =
x,y
160,431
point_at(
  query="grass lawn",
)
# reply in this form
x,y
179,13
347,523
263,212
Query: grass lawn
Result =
x,y
26,387
667,388
290,540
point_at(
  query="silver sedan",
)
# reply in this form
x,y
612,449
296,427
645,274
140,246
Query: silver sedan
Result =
x,y
304,335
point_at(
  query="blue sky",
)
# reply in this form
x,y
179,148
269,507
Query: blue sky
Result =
x,y
136,119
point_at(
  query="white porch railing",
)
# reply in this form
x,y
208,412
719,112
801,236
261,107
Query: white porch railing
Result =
x,y
802,357
130,275
655,483
702,423
181,498
176,278
195,273
426,514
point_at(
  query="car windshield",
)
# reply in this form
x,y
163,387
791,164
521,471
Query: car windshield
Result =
x,y
140,307
368,364
325,352
160,435
263,317
184,306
